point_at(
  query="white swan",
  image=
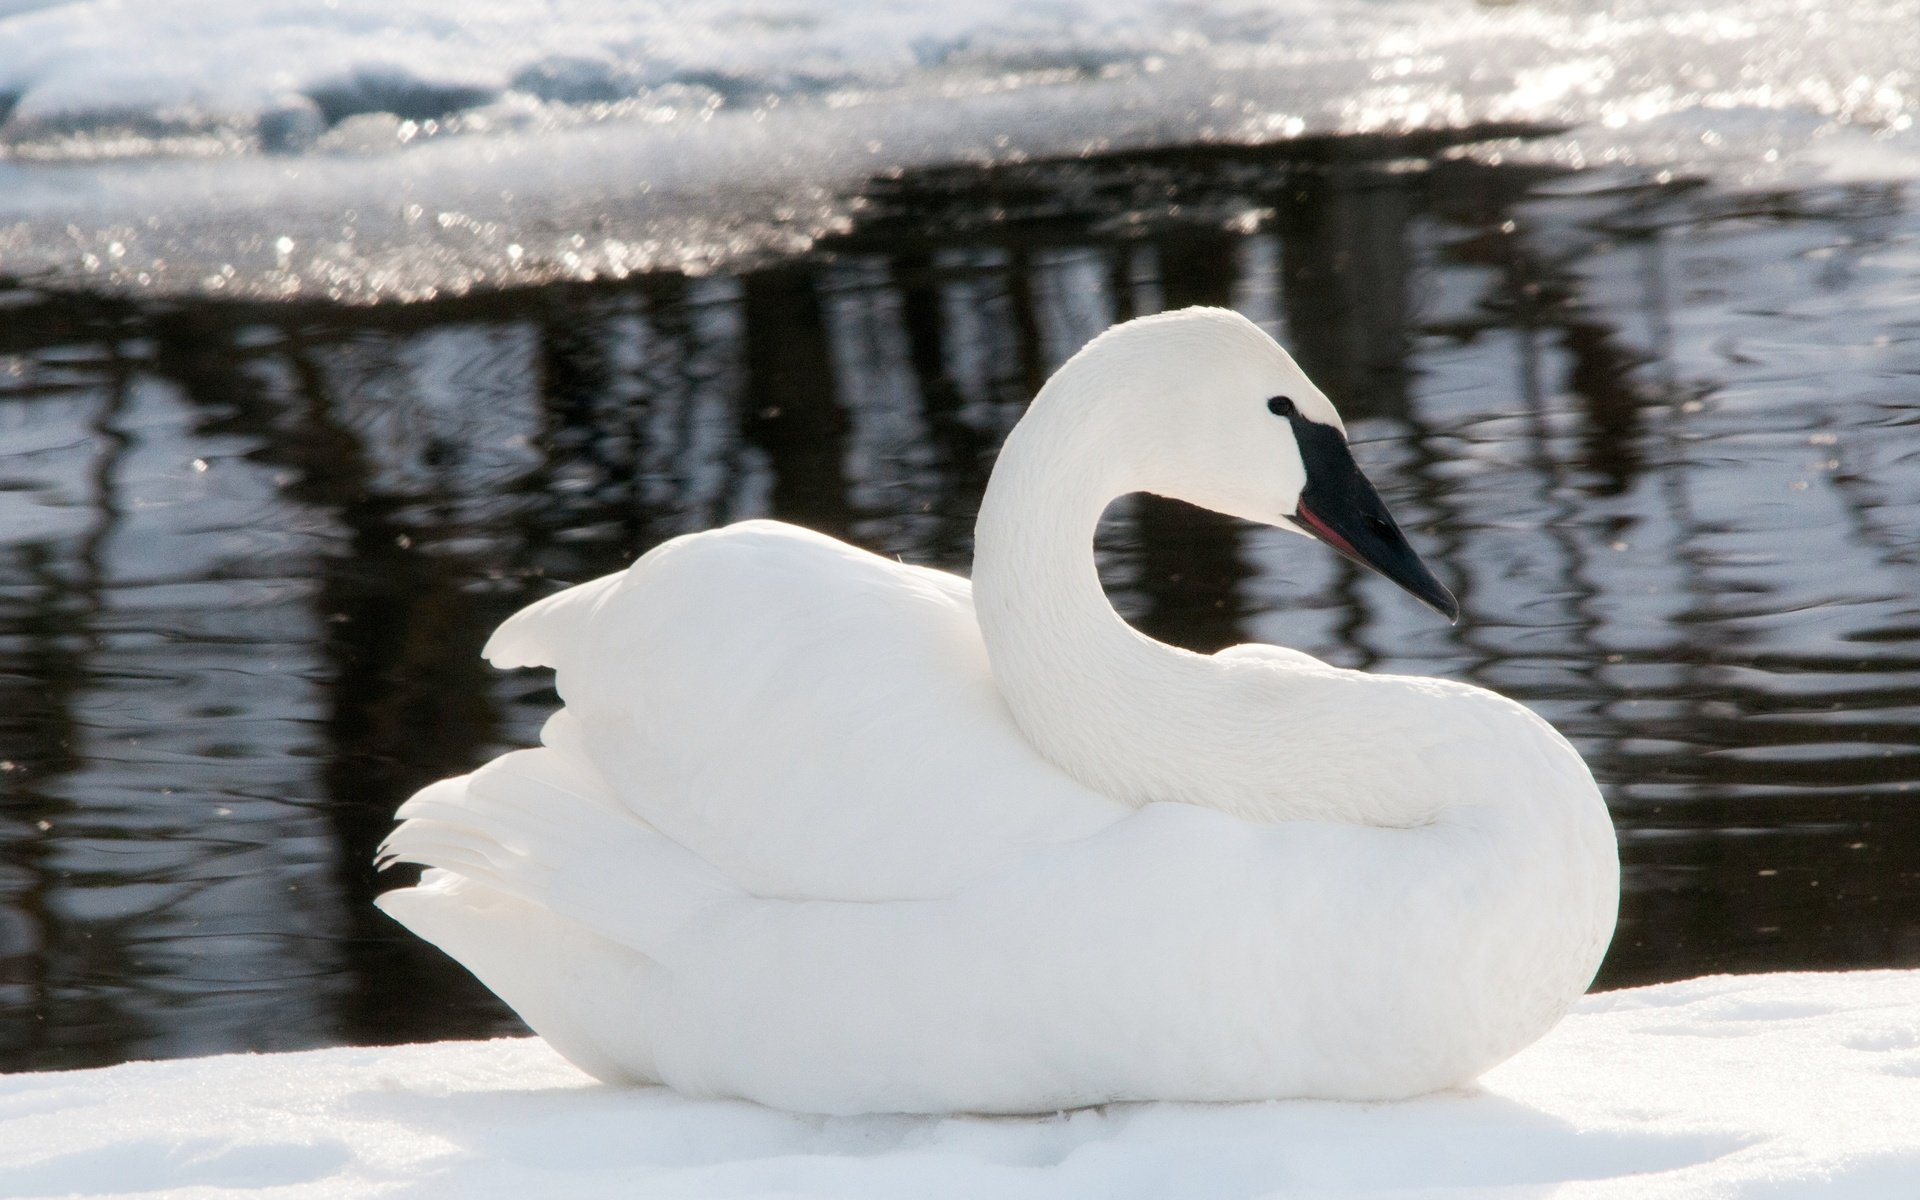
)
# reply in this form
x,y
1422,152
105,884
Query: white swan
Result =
x,y
841,835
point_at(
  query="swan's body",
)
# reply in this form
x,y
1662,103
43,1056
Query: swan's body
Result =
x,y
815,831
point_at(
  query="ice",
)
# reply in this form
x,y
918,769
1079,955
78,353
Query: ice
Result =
x,y
413,141
1776,1086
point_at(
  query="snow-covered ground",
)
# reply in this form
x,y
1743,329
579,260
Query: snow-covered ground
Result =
x,y
106,77
388,148
1756,1086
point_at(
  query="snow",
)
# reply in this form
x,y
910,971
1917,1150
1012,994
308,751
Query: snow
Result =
x,y
193,135
87,78
1772,1085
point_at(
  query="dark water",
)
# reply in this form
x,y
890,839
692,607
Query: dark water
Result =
x,y
1661,441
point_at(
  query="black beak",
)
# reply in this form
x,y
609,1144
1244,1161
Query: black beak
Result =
x,y
1341,508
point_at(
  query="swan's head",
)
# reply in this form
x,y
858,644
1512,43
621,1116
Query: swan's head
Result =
x,y
1202,406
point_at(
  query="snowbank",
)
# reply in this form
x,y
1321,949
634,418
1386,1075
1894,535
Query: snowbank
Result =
x,y
207,62
1777,1086
370,149
287,70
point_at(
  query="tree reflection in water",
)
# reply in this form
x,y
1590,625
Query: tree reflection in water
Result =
x,y
1657,439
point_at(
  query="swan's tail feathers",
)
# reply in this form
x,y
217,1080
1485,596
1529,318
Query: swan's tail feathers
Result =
x,y
590,998
538,634
541,829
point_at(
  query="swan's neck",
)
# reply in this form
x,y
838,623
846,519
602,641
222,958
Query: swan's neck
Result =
x,y
1131,717
1090,692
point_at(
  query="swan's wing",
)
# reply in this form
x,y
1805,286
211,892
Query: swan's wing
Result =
x,y
758,712
812,720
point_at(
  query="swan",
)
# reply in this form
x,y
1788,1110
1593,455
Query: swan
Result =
x,y
841,835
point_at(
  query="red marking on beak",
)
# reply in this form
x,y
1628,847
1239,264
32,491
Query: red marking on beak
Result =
x,y
1325,533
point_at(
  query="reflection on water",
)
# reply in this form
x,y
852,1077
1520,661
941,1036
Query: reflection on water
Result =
x,y
1661,443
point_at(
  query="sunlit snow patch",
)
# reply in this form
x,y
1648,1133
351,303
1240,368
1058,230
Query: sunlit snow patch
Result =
x,y
1777,1086
368,149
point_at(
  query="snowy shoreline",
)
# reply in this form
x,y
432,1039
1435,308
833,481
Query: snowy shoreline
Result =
x,y
369,150
1728,1086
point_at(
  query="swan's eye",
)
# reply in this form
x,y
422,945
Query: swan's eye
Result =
x,y
1281,406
